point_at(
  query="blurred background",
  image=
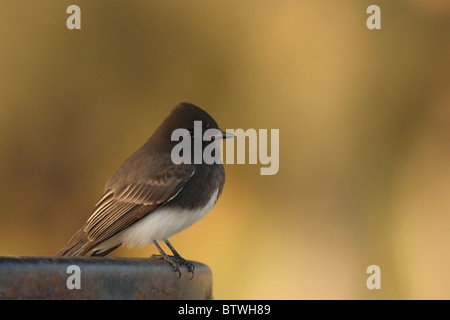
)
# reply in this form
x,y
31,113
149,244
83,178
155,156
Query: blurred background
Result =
x,y
364,120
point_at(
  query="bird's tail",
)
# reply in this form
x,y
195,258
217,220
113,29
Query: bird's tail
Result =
x,y
76,245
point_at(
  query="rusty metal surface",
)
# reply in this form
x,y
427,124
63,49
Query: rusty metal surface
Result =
x,y
100,278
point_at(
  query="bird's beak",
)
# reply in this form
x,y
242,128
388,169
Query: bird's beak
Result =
x,y
226,135
217,135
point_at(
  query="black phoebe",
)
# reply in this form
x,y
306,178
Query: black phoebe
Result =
x,y
150,198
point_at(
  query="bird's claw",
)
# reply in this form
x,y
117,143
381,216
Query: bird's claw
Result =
x,y
176,262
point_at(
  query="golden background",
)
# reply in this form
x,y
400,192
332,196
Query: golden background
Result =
x,y
364,120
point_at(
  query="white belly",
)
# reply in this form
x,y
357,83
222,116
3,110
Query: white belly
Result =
x,y
159,225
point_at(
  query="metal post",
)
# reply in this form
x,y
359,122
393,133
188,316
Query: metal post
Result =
x,y
100,278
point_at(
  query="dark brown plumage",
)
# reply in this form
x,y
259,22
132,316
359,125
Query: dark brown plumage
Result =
x,y
147,181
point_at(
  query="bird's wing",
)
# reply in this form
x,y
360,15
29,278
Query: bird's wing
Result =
x,y
118,209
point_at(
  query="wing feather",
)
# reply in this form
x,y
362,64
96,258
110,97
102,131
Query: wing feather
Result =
x,y
119,208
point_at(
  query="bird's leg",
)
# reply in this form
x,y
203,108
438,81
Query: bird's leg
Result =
x,y
180,260
167,258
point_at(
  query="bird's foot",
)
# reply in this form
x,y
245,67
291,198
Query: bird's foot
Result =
x,y
176,261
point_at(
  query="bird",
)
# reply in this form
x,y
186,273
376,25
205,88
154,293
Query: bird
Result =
x,y
150,197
